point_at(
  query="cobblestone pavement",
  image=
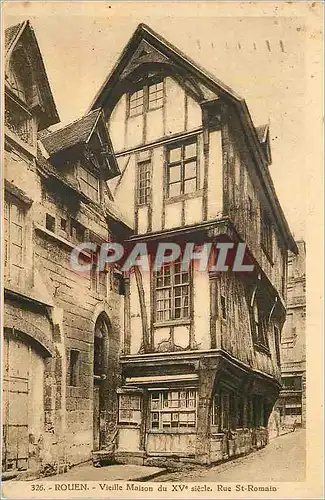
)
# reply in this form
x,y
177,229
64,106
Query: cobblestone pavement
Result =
x,y
283,459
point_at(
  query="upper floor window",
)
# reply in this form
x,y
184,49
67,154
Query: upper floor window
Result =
x,y
19,75
277,342
19,94
19,121
14,235
77,231
172,293
98,279
223,306
182,171
156,95
137,103
89,183
292,383
101,336
259,325
150,96
266,234
144,182
250,208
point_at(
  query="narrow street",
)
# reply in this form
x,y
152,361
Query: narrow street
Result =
x,y
283,459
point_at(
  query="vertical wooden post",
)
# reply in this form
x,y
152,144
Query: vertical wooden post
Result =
x,y
213,310
143,310
206,163
127,316
207,377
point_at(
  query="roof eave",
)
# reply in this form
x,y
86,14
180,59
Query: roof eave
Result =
x,y
114,168
143,31
50,110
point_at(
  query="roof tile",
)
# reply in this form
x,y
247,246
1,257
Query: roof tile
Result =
x,y
75,133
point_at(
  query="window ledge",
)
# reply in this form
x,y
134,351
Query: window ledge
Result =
x,y
41,229
182,197
24,145
184,430
262,348
172,322
129,425
18,193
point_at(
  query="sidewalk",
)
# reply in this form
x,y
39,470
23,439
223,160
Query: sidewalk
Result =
x,y
87,472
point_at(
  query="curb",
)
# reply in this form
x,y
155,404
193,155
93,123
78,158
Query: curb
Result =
x,y
148,477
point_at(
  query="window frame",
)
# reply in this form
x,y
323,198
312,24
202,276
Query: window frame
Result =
x,y
147,179
98,279
172,286
9,202
145,89
21,129
83,182
172,407
130,408
291,387
181,163
74,368
259,329
50,222
277,342
267,235
74,228
223,303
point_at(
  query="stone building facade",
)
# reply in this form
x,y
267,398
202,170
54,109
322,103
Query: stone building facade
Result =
x,y
61,327
292,401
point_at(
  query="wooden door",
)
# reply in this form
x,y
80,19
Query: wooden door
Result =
x,y
15,404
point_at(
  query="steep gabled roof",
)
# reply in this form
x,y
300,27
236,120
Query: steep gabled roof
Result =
x,y
216,87
24,31
77,132
144,32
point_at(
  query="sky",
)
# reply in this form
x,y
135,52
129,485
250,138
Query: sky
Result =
x,y
261,55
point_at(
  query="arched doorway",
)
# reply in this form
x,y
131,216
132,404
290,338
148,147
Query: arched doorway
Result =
x,y
22,400
101,343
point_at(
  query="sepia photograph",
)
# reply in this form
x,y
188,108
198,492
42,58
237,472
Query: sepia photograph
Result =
x,y
161,209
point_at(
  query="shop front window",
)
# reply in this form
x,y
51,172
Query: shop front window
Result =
x,y
173,410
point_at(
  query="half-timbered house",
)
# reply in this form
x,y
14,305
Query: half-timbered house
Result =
x,y
200,364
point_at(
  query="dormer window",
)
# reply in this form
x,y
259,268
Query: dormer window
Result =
x,y
19,75
18,117
267,235
259,324
147,98
89,183
136,103
156,95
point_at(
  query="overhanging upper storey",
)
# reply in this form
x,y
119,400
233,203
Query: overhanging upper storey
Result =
x,y
142,77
